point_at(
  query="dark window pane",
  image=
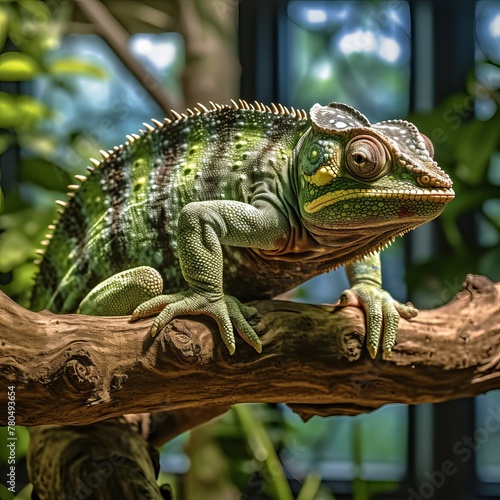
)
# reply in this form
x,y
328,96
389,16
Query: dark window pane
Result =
x,y
369,447
353,52
486,434
486,437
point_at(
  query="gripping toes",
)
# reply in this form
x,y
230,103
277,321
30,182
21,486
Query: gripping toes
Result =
x,y
155,305
239,313
226,311
383,313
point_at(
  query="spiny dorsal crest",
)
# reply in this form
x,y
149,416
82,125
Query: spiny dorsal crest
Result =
x,y
200,109
240,105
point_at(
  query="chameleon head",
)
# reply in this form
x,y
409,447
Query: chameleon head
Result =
x,y
355,175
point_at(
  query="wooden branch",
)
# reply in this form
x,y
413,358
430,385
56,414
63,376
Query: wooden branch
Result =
x,y
92,368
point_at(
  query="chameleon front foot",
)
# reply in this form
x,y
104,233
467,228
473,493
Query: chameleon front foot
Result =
x,y
382,312
226,310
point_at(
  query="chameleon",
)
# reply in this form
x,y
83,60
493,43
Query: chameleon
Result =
x,y
230,203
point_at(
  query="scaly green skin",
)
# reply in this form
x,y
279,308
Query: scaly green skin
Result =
x,y
241,200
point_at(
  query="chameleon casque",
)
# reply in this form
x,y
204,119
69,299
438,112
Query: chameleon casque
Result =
x,y
246,201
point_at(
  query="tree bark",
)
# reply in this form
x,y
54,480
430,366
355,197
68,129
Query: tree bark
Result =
x,y
92,368
100,461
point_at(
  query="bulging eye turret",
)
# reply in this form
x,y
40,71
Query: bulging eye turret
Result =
x,y
367,158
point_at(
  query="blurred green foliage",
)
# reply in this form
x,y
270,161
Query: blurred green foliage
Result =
x,y
468,148
237,454
31,33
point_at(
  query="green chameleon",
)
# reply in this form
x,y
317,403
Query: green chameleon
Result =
x,y
241,200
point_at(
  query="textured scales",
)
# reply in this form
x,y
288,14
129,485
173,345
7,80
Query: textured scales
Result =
x,y
125,214
244,200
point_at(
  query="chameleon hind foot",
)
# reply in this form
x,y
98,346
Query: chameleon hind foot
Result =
x,y
226,310
120,294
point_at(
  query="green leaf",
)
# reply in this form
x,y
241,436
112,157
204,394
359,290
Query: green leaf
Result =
x,y
4,25
72,66
19,289
21,443
37,9
15,249
39,144
16,66
43,173
34,30
310,487
8,113
479,140
5,494
32,108
21,111
262,448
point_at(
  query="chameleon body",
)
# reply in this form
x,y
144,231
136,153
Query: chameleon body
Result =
x,y
243,201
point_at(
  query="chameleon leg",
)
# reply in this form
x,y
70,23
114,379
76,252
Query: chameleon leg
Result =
x,y
382,311
202,228
120,294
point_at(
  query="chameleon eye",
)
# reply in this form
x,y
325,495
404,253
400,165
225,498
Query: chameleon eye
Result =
x,y
366,158
424,180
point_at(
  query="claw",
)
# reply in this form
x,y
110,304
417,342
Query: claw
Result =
x,y
372,350
153,331
348,298
387,354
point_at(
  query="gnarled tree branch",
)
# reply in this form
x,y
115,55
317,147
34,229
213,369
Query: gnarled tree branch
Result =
x,y
93,368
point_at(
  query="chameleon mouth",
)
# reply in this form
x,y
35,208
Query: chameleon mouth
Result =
x,y
442,196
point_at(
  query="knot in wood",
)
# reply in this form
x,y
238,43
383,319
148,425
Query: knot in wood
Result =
x,y
189,341
81,374
480,284
352,345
